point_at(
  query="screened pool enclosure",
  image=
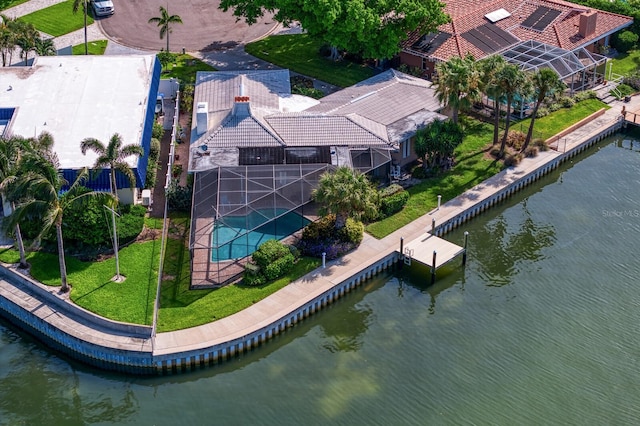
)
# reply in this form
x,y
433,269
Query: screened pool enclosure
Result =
x,y
239,208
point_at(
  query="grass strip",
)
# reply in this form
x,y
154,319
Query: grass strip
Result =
x,y
473,165
184,68
94,47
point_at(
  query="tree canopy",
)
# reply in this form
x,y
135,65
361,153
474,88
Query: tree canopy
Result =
x,y
373,29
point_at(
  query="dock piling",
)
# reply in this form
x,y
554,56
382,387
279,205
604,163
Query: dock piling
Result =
x,y
433,226
464,253
433,268
439,199
401,252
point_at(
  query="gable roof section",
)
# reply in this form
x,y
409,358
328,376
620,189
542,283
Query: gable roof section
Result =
x,y
557,26
306,129
384,98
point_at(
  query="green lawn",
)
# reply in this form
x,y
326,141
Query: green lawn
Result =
x,y
183,308
7,4
472,166
626,63
184,68
130,301
555,122
300,53
94,47
58,19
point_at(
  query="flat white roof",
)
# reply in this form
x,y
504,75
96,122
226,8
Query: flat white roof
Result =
x,y
77,97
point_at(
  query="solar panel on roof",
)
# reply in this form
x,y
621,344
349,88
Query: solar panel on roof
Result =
x,y
428,43
540,18
489,38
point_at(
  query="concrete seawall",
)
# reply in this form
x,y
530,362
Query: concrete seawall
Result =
x,y
130,348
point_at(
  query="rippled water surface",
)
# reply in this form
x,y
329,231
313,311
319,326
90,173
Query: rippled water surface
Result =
x,y
542,326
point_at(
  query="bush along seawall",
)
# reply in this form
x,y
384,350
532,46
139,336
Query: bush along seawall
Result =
x,y
131,348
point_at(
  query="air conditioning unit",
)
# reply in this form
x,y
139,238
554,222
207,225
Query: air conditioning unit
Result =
x,y
146,197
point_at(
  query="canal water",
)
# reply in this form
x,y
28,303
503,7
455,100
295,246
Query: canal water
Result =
x,y
542,326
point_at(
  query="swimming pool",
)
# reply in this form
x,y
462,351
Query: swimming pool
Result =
x,y
236,237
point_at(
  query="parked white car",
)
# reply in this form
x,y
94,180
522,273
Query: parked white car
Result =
x,y
102,7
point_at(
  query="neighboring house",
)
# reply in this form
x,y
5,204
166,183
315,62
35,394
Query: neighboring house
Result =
x,y
531,33
257,152
78,97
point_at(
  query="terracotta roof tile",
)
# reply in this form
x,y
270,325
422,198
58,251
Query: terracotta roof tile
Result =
x,y
561,32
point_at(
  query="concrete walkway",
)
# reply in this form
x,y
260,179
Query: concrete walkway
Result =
x,y
283,302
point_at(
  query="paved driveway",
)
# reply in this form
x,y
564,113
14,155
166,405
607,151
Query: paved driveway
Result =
x,y
204,28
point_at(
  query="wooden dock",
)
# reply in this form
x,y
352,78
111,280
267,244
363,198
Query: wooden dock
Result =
x,y
632,117
422,248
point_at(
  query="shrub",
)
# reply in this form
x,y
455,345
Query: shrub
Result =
x,y
320,237
633,80
394,203
513,160
626,41
542,112
252,275
272,260
516,139
310,92
152,165
541,144
129,227
584,95
165,58
555,107
179,197
531,151
624,90
390,190
414,71
157,131
279,267
269,252
186,98
567,101
418,172
321,229
353,231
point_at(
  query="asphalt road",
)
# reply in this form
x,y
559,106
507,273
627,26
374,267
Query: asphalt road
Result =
x,y
204,28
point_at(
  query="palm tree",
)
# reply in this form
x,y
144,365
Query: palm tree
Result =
x,y
545,82
44,47
25,34
163,22
346,193
489,69
458,84
76,6
43,201
7,39
11,151
112,156
511,80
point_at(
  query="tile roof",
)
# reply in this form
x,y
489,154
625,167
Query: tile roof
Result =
x,y
305,129
470,14
252,110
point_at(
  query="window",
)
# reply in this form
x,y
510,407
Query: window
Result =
x,y
406,148
424,63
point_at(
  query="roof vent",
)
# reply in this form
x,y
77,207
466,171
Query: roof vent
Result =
x,y
497,15
202,117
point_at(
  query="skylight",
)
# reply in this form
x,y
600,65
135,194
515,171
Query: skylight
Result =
x,y
497,15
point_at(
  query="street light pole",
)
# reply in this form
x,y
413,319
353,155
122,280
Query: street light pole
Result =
x,y
117,278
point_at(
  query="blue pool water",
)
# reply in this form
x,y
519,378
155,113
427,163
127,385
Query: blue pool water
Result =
x,y
236,237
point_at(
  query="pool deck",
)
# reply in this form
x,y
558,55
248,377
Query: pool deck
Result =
x,y
180,344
